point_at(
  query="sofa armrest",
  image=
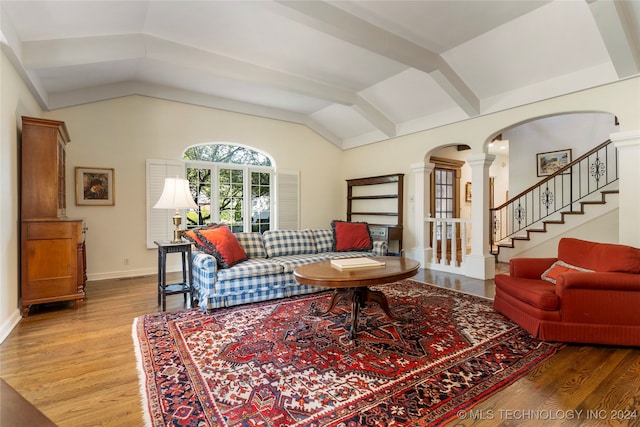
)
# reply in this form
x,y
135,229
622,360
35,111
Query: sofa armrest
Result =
x,y
380,248
205,270
597,281
529,268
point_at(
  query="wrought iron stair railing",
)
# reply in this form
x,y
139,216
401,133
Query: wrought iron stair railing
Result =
x,y
559,194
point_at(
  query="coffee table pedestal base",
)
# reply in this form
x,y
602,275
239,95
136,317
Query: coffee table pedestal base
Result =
x,y
358,297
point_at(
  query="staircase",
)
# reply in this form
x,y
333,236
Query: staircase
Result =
x,y
577,194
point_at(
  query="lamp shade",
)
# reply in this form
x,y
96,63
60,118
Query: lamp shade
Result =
x,y
175,195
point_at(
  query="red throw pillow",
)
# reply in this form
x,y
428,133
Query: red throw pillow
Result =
x,y
223,244
191,236
351,236
559,267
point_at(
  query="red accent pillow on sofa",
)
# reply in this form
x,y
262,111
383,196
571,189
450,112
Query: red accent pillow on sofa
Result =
x,y
223,244
191,236
351,236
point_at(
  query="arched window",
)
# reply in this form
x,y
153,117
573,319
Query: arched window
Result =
x,y
227,153
232,185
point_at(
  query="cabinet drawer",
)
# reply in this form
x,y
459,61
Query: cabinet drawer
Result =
x,y
50,230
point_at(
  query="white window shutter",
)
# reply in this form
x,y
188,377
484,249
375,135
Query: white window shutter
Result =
x,y
288,200
159,223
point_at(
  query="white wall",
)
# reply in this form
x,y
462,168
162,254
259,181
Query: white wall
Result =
x,y
500,171
16,101
578,132
122,133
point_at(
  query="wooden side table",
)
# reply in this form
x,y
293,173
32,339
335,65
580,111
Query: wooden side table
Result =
x,y
185,287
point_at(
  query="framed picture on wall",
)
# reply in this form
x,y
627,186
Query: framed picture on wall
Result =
x,y
552,161
467,192
95,186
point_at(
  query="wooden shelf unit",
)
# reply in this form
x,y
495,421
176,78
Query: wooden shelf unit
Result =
x,y
380,188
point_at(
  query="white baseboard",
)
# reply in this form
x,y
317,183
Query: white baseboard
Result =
x,y
9,324
124,274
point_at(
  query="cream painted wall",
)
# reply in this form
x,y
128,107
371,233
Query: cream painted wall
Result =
x,y
15,102
579,132
122,133
396,155
602,229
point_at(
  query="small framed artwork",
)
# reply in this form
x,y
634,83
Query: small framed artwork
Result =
x,y
551,162
95,186
467,192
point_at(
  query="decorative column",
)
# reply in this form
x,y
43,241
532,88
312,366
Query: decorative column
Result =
x,y
422,251
480,264
628,146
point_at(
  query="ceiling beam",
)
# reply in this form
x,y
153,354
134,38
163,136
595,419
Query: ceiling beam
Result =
x,y
338,23
620,34
376,117
88,50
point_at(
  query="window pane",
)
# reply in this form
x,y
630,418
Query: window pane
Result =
x,y
444,198
230,198
200,185
260,201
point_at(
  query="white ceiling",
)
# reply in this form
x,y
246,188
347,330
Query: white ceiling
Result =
x,y
356,72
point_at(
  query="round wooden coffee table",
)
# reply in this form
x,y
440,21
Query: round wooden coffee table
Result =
x,y
352,285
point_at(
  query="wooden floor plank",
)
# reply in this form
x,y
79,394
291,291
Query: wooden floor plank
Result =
x,y
78,366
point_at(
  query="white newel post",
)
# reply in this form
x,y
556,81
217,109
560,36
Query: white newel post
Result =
x,y
421,176
628,145
480,264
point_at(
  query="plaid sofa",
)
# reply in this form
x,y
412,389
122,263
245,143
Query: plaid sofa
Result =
x,y
268,271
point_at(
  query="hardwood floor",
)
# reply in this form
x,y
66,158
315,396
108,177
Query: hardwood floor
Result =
x,y
78,366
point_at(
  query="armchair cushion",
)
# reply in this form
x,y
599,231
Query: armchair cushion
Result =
x,y
535,292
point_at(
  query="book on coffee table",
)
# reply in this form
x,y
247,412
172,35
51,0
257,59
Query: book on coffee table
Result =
x,y
351,263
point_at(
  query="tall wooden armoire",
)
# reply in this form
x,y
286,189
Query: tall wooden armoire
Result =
x,y
52,254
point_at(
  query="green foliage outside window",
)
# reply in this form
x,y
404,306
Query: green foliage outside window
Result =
x,y
224,153
231,203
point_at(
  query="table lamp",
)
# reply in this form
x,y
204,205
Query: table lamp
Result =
x,y
176,195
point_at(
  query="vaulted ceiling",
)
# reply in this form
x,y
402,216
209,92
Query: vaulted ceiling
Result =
x,y
356,72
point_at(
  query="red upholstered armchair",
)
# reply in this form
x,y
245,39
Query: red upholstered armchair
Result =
x,y
590,293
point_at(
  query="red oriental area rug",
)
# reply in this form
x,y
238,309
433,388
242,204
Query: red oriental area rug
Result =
x,y
276,364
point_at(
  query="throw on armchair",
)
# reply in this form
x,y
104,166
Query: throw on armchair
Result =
x,y
590,293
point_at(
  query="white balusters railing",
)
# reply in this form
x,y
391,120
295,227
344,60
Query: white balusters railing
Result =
x,y
445,231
